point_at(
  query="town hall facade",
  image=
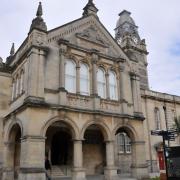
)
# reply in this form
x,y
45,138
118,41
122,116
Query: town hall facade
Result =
x,y
81,97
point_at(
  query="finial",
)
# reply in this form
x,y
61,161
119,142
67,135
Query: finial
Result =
x,y
12,51
38,22
39,10
90,8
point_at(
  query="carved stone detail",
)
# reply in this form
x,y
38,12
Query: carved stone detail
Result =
x,y
91,34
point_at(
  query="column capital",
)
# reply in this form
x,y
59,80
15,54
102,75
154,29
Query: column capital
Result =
x,y
109,141
107,74
77,140
62,49
121,68
94,55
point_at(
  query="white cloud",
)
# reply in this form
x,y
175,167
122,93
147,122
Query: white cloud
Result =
x,y
158,21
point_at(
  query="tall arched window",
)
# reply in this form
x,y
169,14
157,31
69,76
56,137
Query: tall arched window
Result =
x,y
17,86
84,79
70,76
13,89
112,85
157,118
101,83
21,82
123,142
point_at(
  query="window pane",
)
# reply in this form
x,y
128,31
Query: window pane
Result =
x,y
127,144
101,83
112,85
120,142
84,79
70,76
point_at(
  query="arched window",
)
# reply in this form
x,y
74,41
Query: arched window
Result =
x,y
123,142
84,79
157,118
13,89
101,83
17,86
21,82
112,85
70,76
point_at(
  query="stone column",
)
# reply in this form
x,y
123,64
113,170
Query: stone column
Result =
x,y
8,161
139,165
62,91
122,89
110,171
94,76
96,99
136,94
36,61
107,86
62,51
78,170
78,79
32,158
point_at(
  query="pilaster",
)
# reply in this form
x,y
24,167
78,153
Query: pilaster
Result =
x,y
78,170
36,61
32,158
110,170
62,91
122,88
135,80
139,165
96,99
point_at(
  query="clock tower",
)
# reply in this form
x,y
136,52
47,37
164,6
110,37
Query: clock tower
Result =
x,y
127,36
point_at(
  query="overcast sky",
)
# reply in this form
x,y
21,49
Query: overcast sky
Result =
x,y
158,21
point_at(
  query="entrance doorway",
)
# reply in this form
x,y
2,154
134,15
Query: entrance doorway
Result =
x,y
94,151
14,151
161,160
59,148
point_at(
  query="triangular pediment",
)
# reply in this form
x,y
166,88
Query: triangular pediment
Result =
x,y
92,35
88,33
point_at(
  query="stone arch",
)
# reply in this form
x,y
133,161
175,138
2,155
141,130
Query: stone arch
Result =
x,y
72,58
102,126
13,149
70,123
10,128
128,129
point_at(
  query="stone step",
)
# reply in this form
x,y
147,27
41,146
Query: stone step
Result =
x,y
95,177
56,172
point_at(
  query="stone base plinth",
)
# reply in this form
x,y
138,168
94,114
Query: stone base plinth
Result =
x,y
110,173
78,174
140,172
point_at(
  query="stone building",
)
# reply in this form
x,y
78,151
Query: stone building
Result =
x,y
81,96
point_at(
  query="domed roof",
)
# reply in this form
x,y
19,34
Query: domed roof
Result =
x,y
125,17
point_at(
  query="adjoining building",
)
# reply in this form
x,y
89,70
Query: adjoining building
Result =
x,y
82,97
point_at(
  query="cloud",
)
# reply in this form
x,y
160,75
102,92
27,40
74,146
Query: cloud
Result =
x,y
158,21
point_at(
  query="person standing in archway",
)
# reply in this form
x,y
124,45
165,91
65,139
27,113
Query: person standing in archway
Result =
x,y
47,168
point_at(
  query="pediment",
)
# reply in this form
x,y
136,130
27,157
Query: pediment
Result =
x,y
92,35
88,33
